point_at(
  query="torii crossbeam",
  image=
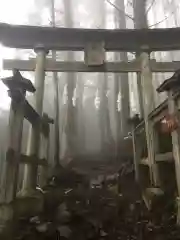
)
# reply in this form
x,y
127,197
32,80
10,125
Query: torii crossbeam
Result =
x,y
114,67
73,39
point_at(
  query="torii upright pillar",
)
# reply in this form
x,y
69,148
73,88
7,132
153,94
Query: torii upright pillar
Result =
x,y
148,106
30,173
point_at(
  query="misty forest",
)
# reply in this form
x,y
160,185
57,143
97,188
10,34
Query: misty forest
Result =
x,y
92,133
93,108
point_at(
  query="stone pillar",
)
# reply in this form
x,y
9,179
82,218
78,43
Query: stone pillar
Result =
x,y
30,173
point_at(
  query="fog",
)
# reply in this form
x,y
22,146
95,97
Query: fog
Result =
x,y
92,106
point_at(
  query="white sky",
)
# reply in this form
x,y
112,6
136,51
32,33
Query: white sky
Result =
x,y
14,12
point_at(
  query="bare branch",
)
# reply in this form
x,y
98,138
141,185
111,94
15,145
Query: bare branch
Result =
x,y
118,9
149,8
158,22
161,20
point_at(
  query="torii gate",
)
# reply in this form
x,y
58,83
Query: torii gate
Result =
x,y
91,42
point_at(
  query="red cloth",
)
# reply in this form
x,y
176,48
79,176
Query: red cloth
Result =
x,y
169,123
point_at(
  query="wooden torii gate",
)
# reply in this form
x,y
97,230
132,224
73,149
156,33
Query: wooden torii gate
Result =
x,y
90,41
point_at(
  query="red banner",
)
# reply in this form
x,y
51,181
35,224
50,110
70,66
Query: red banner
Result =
x,y
169,123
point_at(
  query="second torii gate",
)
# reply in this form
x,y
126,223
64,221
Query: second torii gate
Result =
x,y
144,41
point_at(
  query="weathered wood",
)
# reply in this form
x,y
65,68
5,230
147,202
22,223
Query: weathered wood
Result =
x,y
176,146
171,86
148,105
30,114
30,173
32,160
43,170
15,136
94,54
164,157
44,153
140,22
24,159
18,85
162,109
17,81
64,66
137,146
157,118
136,155
35,119
144,161
157,114
27,37
140,127
171,83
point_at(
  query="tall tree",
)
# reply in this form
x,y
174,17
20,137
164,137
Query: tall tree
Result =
x,y
104,119
80,115
121,83
140,21
71,111
56,97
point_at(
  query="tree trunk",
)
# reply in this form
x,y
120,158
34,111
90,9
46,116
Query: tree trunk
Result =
x,y
80,115
140,18
104,119
70,125
56,98
121,81
140,21
118,129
